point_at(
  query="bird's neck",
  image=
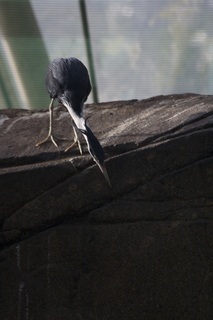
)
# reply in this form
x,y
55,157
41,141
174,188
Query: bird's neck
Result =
x,y
77,118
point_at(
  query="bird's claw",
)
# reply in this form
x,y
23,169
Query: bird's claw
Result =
x,y
50,137
79,146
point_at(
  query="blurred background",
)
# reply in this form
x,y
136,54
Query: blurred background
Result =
x,y
134,49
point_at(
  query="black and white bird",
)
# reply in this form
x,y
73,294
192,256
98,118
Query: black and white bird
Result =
x,y
68,82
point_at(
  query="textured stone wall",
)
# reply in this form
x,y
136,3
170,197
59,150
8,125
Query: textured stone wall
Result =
x,y
72,248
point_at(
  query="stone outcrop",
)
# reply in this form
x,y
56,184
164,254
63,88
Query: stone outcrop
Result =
x,y
72,248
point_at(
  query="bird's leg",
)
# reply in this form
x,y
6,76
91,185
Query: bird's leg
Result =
x,y
50,136
76,140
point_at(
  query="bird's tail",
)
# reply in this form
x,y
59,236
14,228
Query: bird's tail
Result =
x,y
93,144
95,150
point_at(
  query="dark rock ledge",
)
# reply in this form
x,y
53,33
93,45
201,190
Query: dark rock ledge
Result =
x,y
72,248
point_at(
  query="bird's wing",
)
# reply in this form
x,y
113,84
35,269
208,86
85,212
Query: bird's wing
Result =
x,y
68,78
71,74
54,87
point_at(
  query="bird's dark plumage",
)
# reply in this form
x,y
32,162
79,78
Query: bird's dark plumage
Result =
x,y
94,145
68,78
68,82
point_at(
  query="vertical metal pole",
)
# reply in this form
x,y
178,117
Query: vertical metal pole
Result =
x,y
88,48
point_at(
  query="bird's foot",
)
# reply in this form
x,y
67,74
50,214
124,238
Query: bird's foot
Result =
x,y
50,138
76,140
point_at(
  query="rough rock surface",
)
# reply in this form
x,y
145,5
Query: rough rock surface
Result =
x,y
72,248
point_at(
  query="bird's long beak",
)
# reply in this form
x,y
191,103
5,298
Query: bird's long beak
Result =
x,y
104,171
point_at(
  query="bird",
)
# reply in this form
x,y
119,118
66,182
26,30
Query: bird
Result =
x,y
67,81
